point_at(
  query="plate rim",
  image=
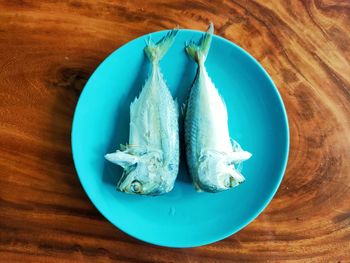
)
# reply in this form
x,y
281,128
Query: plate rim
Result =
x,y
254,215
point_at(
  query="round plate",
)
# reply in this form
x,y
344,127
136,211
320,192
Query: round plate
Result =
x,y
183,217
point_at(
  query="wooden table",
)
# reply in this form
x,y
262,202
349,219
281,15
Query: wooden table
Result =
x,y
48,50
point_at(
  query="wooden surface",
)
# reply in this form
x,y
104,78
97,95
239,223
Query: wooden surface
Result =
x,y
48,49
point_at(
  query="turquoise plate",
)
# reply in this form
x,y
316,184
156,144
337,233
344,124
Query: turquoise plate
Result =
x,y
183,217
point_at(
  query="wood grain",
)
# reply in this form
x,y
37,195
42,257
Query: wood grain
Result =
x,y
48,49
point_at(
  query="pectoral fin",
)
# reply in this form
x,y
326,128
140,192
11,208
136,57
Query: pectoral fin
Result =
x,y
237,157
121,158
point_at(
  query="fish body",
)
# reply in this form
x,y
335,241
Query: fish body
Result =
x,y
151,159
212,157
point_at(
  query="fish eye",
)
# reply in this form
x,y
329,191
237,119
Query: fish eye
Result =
x,y
136,186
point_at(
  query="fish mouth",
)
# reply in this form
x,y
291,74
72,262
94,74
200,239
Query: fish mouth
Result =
x,y
236,178
125,178
230,180
211,188
234,182
158,190
121,180
131,184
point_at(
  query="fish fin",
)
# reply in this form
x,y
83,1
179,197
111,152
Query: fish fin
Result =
x,y
241,156
196,187
123,147
236,147
238,155
121,158
133,107
199,52
155,52
236,178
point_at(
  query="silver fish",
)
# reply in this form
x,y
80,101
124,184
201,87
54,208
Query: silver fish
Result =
x,y
212,158
151,159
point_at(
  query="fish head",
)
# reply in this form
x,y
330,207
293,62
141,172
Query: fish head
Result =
x,y
143,174
217,172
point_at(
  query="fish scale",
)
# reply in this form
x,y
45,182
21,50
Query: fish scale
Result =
x,y
151,159
211,157
191,129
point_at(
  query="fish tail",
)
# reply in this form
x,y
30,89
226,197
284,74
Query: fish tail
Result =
x,y
155,51
199,52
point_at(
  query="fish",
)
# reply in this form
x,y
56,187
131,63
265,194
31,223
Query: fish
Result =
x,y
150,160
213,159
